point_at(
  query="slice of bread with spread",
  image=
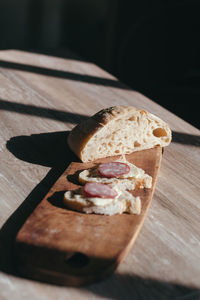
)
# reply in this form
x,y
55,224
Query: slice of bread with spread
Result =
x,y
136,178
124,202
118,130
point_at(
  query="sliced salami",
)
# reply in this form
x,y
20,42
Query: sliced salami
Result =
x,y
113,169
100,190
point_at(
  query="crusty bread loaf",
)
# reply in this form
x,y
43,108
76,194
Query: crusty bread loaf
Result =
x,y
135,179
125,202
118,130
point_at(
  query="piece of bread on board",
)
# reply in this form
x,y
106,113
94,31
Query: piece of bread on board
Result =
x,y
125,202
118,130
135,179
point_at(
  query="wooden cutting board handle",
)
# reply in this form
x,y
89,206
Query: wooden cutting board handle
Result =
x,y
66,247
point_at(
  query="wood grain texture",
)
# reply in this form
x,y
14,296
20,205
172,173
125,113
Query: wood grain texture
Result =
x,y
67,247
42,97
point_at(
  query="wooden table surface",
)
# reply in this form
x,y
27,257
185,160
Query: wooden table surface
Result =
x,y
41,99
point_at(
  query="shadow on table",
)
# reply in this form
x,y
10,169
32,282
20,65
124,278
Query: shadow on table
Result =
x,y
185,138
126,287
49,113
46,149
64,74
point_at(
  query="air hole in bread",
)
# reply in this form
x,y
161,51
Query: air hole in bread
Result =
x,y
136,144
142,112
114,132
108,136
159,132
131,118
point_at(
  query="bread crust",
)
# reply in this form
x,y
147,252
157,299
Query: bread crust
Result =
x,y
80,134
106,115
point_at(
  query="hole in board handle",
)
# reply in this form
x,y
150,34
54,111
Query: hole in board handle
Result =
x,y
77,260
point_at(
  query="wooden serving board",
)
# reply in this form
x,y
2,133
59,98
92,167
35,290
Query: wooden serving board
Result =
x,y
66,247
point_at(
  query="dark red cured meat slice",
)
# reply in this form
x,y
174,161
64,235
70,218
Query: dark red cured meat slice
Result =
x,y
113,169
100,190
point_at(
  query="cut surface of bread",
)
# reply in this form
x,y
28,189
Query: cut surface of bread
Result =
x,y
118,130
124,202
134,179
